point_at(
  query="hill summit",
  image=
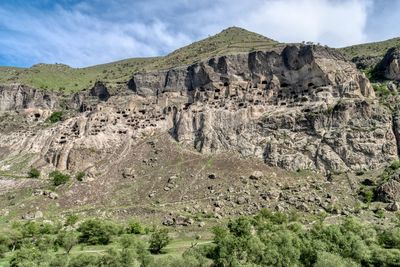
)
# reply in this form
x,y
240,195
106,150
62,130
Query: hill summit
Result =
x,y
67,80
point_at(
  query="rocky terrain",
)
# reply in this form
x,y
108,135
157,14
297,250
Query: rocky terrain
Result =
x,y
226,135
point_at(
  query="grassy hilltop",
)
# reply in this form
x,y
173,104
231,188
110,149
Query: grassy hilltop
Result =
x,y
59,77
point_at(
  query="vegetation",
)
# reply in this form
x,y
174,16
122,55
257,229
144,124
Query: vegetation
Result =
x,y
59,178
67,240
377,49
97,232
55,117
136,228
62,78
34,173
158,240
266,239
79,176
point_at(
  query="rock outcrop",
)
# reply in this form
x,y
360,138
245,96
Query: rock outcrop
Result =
x,y
300,107
389,67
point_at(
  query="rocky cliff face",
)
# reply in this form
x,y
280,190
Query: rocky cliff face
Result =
x,y
389,67
300,107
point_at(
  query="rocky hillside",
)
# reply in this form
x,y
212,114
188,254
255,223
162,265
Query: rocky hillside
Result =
x,y
292,107
62,78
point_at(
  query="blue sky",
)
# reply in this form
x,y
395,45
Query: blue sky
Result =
x,y
88,32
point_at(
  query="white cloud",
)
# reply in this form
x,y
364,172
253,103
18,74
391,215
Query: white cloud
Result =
x,y
99,31
336,23
78,39
331,22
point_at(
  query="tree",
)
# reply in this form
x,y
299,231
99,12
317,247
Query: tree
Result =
x,y
67,240
158,240
96,231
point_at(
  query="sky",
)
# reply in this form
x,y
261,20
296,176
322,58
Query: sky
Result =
x,y
88,32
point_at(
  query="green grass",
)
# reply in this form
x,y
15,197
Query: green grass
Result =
x,y
376,49
62,78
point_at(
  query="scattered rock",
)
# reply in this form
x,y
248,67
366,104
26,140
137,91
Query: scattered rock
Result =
x,y
394,206
53,195
33,215
241,200
168,221
388,191
128,173
212,176
256,175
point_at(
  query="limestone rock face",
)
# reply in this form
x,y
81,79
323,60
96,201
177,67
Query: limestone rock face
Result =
x,y
300,107
19,97
389,67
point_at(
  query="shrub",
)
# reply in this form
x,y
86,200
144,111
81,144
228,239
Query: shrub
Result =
x,y
59,178
55,117
29,256
79,176
395,165
84,260
97,232
158,240
380,213
136,228
67,240
326,259
71,220
34,173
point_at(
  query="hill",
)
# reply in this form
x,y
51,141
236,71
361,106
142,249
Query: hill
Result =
x,y
375,49
62,78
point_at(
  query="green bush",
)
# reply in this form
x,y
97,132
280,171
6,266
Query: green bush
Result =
x,y
97,232
326,259
71,220
59,178
84,260
269,239
136,228
67,240
158,240
34,173
30,256
79,176
55,117
395,165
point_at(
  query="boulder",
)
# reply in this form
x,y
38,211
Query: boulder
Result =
x,y
128,173
256,175
389,66
212,176
388,191
394,206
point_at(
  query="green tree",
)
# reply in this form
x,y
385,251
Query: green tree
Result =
x,y
67,240
158,240
96,231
